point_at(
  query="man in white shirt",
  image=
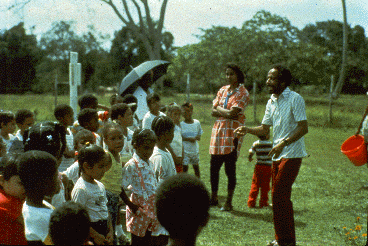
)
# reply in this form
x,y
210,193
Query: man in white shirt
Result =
x,y
285,112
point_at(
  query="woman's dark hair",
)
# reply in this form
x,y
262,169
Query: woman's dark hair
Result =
x,y
61,110
82,134
90,154
87,101
9,166
86,115
22,114
69,224
37,168
46,136
118,109
284,74
107,128
142,136
239,73
161,125
6,117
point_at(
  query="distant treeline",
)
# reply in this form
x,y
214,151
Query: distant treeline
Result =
x,y
313,53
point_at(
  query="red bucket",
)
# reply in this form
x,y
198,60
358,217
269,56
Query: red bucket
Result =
x,y
355,149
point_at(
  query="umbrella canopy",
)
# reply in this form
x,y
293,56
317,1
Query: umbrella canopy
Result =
x,y
144,76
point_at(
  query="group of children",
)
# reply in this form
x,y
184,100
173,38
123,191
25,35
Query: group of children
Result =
x,y
101,162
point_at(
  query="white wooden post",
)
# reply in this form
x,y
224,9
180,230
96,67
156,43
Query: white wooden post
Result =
x,y
188,87
254,101
74,81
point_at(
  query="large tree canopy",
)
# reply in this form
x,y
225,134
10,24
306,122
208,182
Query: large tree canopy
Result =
x,y
19,56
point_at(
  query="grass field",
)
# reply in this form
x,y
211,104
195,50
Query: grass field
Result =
x,y
328,195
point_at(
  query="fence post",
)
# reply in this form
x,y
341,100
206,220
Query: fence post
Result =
x,y
188,88
330,101
254,101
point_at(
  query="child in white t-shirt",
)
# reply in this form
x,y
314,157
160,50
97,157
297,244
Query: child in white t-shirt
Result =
x,y
163,163
176,146
39,176
154,105
91,193
191,133
82,137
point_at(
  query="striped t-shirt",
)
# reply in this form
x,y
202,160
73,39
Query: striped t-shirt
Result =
x,y
283,114
261,148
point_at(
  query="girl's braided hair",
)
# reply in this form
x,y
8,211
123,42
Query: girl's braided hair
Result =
x,y
46,136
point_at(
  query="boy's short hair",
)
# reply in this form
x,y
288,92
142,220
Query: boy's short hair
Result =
x,y
37,168
6,117
187,105
62,110
153,97
69,224
87,101
172,107
142,136
132,101
9,166
82,134
22,114
118,109
86,115
182,204
161,125
46,136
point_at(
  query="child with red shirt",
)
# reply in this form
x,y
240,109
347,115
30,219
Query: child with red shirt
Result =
x,y
12,196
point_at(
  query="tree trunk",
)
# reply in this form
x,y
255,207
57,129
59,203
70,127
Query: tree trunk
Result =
x,y
341,80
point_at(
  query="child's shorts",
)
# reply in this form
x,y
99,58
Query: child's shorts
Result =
x,y
190,159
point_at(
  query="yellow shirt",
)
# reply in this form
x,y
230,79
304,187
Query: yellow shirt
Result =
x,y
113,177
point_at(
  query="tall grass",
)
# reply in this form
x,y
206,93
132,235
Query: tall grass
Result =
x,y
329,193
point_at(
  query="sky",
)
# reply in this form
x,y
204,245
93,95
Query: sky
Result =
x,y
184,18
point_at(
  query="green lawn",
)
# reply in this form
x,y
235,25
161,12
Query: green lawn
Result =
x,y
329,193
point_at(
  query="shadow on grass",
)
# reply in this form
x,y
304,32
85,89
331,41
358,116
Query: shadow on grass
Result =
x,y
265,217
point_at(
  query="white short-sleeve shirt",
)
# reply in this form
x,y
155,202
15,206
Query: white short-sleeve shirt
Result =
x,y
36,221
283,114
92,197
177,142
163,164
191,131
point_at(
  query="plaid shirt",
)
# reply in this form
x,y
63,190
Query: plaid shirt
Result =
x,y
223,130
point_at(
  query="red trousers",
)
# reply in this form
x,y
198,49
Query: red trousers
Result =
x,y
260,181
284,173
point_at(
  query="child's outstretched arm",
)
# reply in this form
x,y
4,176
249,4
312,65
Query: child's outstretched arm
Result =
x,y
127,201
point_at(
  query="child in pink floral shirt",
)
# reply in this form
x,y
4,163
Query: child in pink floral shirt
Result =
x,y
139,179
